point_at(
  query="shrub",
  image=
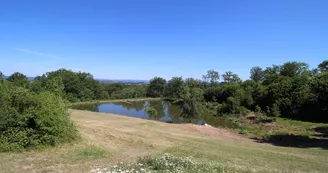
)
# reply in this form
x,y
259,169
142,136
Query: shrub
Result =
x,y
241,110
243,131
266,119
32,120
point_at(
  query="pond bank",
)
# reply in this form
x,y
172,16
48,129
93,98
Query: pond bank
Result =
x,y
116,100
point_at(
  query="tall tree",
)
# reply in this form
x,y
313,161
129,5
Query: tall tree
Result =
x,y
292,69
257,74
19,79
175,88
156,87
323,66
230,77
211,77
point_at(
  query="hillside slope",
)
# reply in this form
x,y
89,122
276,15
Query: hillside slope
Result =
x,y
108,139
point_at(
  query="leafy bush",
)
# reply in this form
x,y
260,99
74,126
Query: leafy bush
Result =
x,y
32,120
241,110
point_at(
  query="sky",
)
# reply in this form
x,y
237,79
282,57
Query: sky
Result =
x,y
129,39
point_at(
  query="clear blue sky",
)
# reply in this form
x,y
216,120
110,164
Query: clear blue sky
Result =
x,y
140,39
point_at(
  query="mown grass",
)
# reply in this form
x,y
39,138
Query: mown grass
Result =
x,y
281,126
110,139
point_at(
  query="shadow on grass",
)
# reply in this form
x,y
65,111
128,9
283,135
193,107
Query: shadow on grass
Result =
x,y
321,131
297,141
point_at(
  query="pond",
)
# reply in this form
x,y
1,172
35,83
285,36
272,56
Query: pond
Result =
x,y
167,112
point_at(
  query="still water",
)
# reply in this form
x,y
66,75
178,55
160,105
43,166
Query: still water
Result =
x,y
167,112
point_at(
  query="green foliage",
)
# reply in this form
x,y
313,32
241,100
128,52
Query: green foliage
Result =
x,y
212,77
292,69
192,103
131,91
78,86
100,92
151,111
156,87
323,67
194,83
32,120
257,74
175,88
19,79
229,77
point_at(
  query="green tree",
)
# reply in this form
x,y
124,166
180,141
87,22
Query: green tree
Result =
x,y
292,69
318,107
54,85
193,83
100,92
270,74
211,77
191,106
78,86
230,77
175,88
323,66
19,79
257,74
156,87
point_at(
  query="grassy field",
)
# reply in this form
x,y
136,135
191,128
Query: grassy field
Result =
x,y
109,139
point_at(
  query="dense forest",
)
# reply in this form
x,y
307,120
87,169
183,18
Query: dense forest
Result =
x,y
35,113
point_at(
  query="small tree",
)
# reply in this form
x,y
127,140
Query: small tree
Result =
x,y
191,106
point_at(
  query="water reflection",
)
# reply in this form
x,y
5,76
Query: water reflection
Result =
x,y
167,112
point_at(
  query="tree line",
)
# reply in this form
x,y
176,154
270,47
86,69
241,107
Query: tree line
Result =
x,y
291,90
77,86
34,114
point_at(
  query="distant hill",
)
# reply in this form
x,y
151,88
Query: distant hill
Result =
x,y
123,81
